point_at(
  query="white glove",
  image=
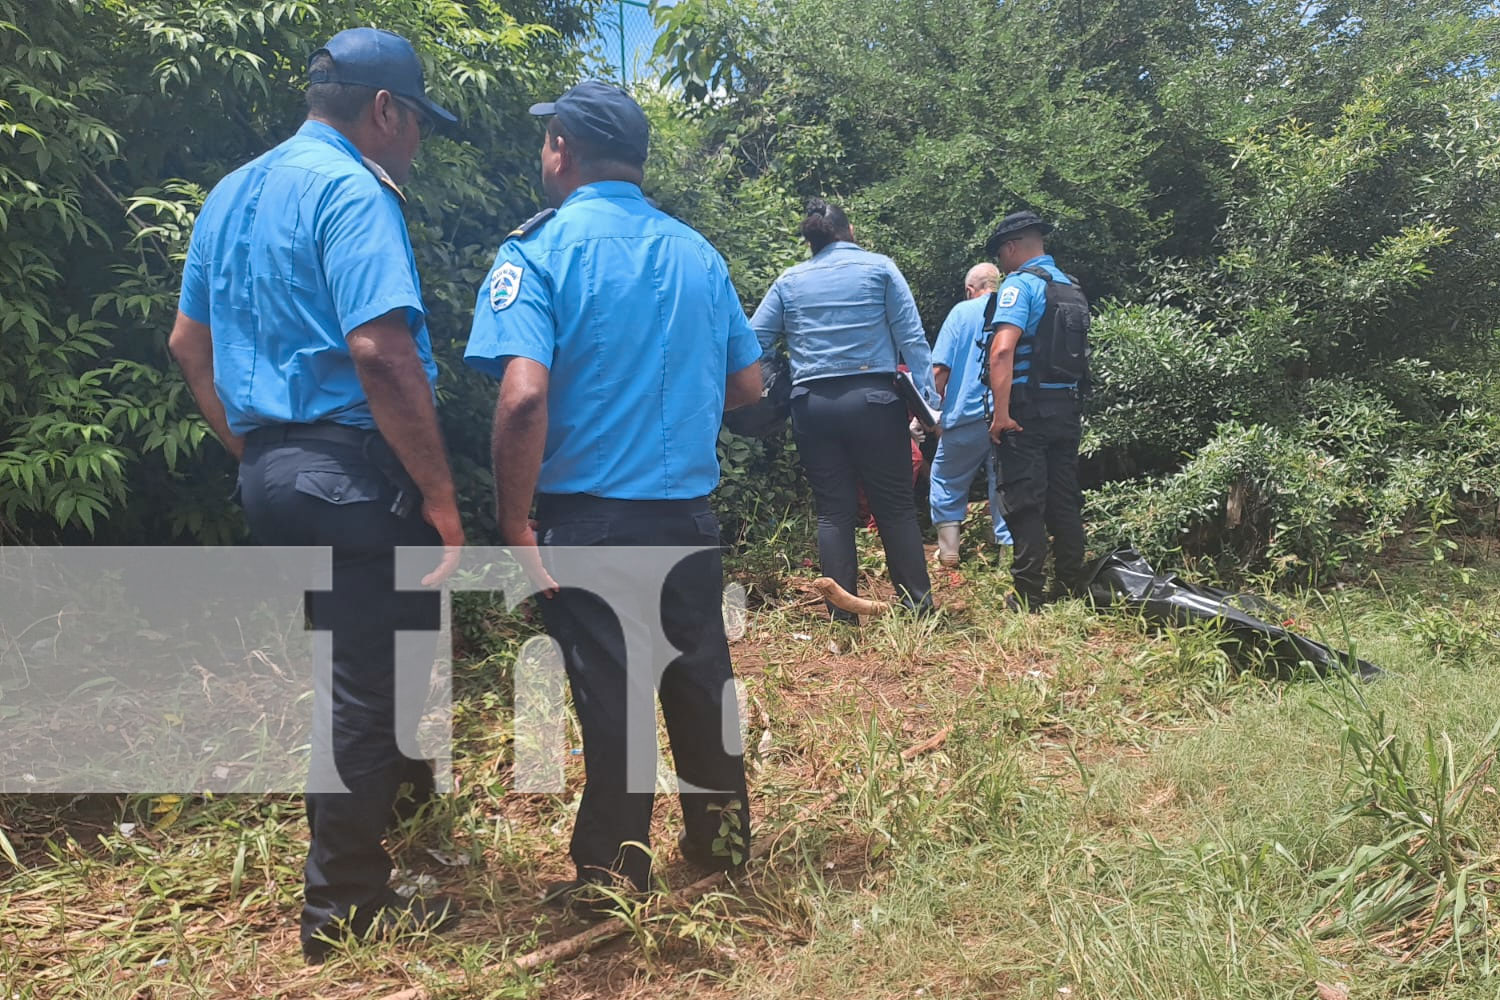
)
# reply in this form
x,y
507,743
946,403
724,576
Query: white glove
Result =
x,y
915,430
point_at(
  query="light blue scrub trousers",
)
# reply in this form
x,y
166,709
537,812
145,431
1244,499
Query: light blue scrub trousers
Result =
x,y
961,451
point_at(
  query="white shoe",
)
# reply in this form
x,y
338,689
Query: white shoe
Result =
x,y
947,533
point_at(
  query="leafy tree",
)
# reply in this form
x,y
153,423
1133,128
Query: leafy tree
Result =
x,y
115,119
893,107
1355,238
1284,212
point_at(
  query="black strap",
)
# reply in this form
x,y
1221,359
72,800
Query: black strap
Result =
x,y
1038,272
326,431
983,344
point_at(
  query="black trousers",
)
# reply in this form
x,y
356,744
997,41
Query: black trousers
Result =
x,y
1039,492
696,688
851,430
301,491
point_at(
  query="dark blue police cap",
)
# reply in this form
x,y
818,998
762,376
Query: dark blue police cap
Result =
x,y
1013,225
371,57
605,116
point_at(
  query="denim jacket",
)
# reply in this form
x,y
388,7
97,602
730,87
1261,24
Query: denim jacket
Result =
x,y
845,311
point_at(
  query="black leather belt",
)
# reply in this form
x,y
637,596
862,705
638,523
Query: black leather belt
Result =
x,y
367,441
354,437
883,379
557,506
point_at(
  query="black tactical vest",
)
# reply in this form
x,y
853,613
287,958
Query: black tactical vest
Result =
x,y
1059,355
1060,348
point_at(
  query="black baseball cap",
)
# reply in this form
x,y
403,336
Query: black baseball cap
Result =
x,y
372,57
605,116
1014,224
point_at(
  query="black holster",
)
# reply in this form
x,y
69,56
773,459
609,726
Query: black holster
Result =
x,y
408,499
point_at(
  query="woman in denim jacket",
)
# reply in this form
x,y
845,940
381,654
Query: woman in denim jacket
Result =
x,y
848,320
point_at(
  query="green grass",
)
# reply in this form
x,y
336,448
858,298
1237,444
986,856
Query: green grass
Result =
x,y
1117,813
1127,845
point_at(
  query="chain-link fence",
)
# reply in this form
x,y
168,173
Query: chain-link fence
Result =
x,y
627,34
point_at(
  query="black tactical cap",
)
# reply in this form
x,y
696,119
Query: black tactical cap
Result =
x,y
1013,225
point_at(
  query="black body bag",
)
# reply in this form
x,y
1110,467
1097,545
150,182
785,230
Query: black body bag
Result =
x,y
1124,579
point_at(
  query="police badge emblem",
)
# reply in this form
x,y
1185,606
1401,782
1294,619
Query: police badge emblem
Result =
x,y
1008,296
505,285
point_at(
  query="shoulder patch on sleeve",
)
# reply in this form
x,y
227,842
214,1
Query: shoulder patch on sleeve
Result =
x,y
1008,296
505,285
384,178
530,226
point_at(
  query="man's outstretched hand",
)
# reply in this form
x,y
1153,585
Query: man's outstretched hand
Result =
x,y
523,545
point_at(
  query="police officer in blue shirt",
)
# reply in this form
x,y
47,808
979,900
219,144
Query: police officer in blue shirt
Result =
x,y
302,334
848,319
619,342
1036,424
964,446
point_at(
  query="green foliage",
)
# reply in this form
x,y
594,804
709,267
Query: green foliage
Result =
x,y
115,119
892,107
1284,215
1340,480
761,487
730,839
1349,279
1166,380
705,44
1424,872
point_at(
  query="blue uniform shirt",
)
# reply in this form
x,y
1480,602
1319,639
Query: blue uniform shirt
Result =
x,y
290,253
1023,299
634,315
957,349
845,311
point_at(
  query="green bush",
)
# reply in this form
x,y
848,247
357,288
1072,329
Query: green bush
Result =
x,y
1285,217
1166,380
1340,481
115,119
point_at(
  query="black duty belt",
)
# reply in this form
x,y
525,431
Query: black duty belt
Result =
x,y
555,506
354,437
368,441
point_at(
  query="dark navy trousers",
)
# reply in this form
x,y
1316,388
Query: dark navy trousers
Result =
x,y
1040,495
851,430
695,690
297,490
